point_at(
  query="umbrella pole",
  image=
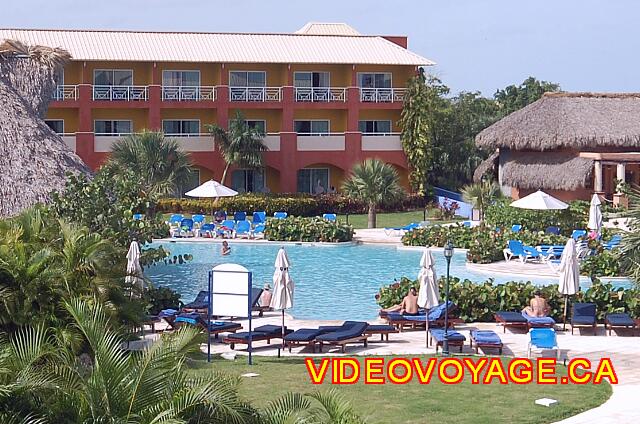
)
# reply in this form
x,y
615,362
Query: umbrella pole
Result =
x,y
564,320
282,328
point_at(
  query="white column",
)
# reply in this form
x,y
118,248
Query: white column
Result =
x,y
597,184
620,172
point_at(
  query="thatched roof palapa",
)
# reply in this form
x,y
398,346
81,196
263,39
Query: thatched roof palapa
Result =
x,y
489,164
33,159
568,120
546,171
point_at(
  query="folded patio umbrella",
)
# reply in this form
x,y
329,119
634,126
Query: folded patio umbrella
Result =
x,y
428,294
283,286
595,214
569,282
134,270
540,201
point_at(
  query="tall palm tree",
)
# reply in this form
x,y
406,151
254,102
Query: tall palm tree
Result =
x,y
480,195
373,182
241,145
158,161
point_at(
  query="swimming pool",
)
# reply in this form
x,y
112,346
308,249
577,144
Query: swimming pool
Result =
x,y
332,281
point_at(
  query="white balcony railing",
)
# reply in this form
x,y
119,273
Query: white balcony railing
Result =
x,y
382,95
381,142
320,94
125,93
321,142
255,94
272,141
187,93
65,92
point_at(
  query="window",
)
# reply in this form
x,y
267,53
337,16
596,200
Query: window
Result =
x,y
248,181
311,127
57,125
313,180
311,79
108,127
374,80
247,79
374,127
181,78
113,77
181,126
259,124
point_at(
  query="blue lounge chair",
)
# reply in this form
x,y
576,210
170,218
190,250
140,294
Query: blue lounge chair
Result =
x,y
576,234
243,228
240,216
485,339
304,336
553,230
264,332
215,327
219,216
583,315
198,219
207,230
435,317
454,338
613,242
349,332
186,228
176,218
536,322
511,319
226,228
400,230
259,218
543,338
516,228
258,229
199,304
280,215
550,251
517,249
330,217
621,320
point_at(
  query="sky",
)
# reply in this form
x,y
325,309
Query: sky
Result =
x,y
478,45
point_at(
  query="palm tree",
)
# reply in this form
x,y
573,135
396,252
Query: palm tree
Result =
x,y
241,145
373,182
480,195
328,407
158,161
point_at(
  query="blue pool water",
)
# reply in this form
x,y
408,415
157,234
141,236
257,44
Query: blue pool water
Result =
x,y
332,282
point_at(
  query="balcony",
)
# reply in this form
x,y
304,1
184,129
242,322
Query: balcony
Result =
x,y
381,142
272,141
320,94
188,93
65,92
255,94
321,142
125,93
382,95
194,142
70,140
102,143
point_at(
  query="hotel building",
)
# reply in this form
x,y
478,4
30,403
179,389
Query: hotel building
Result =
x,y
326,97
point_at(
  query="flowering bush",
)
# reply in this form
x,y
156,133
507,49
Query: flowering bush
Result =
x,y
448,209
307,229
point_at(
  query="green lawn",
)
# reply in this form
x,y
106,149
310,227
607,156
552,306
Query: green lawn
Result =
x,y
415,403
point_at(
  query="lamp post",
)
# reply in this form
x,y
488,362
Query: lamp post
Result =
x,y
448,254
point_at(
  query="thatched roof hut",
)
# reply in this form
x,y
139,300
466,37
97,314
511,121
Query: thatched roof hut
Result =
x,y
33,159
579,121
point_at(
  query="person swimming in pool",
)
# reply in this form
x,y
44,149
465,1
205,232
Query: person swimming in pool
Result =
x,y
408,306
226,249
538,307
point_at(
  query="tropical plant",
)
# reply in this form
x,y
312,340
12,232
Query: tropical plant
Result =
x,y
373,182
241,145
159,163
307,229
480,195
515,97
328,407
630,246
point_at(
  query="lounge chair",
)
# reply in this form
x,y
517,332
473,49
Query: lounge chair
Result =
x,y
576,234
330,217
553,230
454,338
350,332
613,242
176,218
515,228
517,249
389,231
280,215
225,229
243,228
264,332
436,317
259,218
544,339
207,230
382,329
550,251
215,327
305,337
511,319
539,322
485,339
258,229
200,304
583,315
186,228
240,216
622,320
169,316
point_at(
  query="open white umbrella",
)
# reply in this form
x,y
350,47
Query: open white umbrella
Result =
x,y
540,201
428,294
283,286
134,270
211,188
569,282
595,214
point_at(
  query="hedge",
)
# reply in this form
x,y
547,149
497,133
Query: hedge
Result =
x,y
307,229
293,204
477,302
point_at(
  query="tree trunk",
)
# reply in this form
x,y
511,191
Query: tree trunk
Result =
x,y
224,174
372,216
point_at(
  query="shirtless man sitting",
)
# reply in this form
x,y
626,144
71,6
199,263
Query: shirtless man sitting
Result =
x,y
408,306
538,306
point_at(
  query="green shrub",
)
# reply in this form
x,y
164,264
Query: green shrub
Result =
x,y
293,204
500,214
159,298
307,229
604,264
477,302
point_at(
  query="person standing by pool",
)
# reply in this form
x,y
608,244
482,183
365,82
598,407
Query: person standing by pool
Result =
x,y
408,306
226,249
